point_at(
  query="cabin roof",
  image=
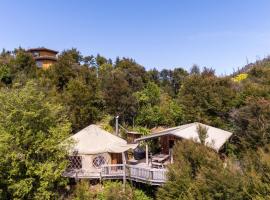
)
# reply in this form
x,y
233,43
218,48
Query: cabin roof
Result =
x,y
42,49
215,140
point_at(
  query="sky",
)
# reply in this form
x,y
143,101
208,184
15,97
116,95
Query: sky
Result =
x,y
222,34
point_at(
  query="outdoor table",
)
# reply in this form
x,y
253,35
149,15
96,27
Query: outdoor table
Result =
x,y
160,157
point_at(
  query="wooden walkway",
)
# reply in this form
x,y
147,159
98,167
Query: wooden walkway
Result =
x,y
120,171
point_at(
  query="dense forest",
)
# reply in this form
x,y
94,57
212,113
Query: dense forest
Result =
x,y
41,108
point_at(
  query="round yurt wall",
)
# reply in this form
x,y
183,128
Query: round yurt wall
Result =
x,y
94,162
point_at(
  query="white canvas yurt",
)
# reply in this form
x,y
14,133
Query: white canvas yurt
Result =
x,y
94,147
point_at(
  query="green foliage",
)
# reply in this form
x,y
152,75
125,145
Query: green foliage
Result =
x,y
64,70
202,133
149,95
109,191
207,99
252,121
198,173
256,170
143,130
172,80
82,102
83,192
171,111
5,74
106,123
117,94
156,109
116,191
31,129
149,116
24,63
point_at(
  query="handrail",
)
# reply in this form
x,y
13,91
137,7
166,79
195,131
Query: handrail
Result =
x,y
131,172
151,169
134,172
113,165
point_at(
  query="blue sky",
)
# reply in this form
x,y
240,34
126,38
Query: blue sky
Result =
x,y
221,34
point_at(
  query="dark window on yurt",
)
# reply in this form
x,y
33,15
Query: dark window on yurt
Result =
x,y
75,162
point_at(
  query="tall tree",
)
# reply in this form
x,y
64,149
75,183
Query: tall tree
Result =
x,y
66,68
82,102
207,99
31,158
253,123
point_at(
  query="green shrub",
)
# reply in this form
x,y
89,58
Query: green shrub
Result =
x,y
116,191
82,191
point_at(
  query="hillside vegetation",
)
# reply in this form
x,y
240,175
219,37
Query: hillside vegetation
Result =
x,y
40,108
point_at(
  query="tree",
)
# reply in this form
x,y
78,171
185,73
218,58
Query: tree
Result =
x,y
117,95
24,62
207,99
100,60
31,130
154,76
5,74
67,67
202,133
156,108
178,78
256,169
171,111
110,191
253,123
149,95
134,73
115,191
208,72
74,54
82,102
195,69
118,83
82,191
198,173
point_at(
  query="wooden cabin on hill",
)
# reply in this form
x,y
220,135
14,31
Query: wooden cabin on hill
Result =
x,y
44,57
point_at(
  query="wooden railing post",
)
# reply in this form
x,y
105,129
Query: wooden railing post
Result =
x,y
124,177
151,175
146,154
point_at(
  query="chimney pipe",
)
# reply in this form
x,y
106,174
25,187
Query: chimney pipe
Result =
x,y
116,125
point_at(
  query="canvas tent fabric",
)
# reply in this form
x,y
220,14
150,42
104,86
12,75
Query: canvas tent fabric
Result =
x,y
216,137
94,140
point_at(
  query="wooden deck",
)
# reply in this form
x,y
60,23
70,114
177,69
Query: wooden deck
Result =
x,y
143,174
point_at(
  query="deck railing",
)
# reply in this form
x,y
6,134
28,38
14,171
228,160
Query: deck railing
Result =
x,y
112,170
121,171
150,175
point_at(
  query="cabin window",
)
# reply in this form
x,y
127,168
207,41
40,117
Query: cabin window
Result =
x,y
36,54
98,161
75,162
39,64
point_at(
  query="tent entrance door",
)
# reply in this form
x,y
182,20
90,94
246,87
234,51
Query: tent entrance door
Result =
x,y
116,158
